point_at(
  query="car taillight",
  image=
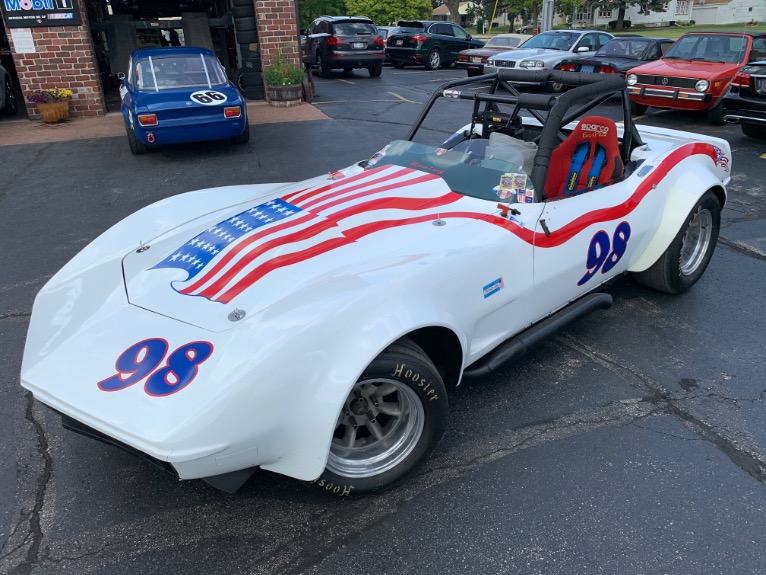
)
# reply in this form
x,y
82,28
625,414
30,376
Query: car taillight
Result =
x,y
568,67
333,41
378,41
606,70
232,112
742,80
148,119
419,38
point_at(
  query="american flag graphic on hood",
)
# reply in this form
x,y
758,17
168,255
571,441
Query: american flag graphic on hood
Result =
x,y
232,255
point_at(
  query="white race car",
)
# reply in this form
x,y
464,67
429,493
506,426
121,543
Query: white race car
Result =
x,y
315,329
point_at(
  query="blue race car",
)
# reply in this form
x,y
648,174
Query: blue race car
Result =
x,y
176,95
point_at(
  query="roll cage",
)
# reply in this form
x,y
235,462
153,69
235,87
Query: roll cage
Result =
x,y
554,112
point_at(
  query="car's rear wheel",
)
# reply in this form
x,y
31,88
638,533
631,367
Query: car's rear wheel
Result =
x,y
715,115
638,109
11,106
323,70
244,137
434,60
473,72
376,71
136,145
685,260
389,423
753,131
396,64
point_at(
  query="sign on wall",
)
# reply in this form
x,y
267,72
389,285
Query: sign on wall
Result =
x,y
35,13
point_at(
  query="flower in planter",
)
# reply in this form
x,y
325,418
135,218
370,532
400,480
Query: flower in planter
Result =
x,y
47,95
283,73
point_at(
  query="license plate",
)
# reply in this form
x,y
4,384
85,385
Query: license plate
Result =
x,y
585,68
358,45
476,59
399,42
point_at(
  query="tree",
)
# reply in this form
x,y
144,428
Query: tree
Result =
x,y
454,9
644,7
390,11
309,10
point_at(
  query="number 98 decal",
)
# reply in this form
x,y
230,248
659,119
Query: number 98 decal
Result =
x,y
208,97
141,361
604,254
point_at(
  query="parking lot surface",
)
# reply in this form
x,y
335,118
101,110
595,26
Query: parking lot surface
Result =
x,y
634,441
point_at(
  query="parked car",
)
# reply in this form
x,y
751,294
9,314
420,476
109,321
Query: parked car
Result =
x,y
546,50
8,103
343,42
695,73
175,95
426,43
317,328
745,104
473,60
619,55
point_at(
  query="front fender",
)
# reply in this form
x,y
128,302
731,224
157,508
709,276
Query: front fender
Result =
x,y
682,188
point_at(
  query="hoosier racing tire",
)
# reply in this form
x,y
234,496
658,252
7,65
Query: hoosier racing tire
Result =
x,y
389,423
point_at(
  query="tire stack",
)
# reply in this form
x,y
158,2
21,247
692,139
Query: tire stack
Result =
x,y
248,76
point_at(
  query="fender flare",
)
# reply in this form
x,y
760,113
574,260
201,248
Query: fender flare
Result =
x,y
686,183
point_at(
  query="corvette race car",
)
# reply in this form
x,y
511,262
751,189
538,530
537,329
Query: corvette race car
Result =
x,y
315,329
178,94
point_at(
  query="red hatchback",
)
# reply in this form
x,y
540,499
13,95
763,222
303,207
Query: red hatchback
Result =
x,y
694,74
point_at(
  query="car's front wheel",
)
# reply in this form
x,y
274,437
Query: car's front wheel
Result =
x,y
685,260
638,109
244,137
389,423
715,115
136,145
753,131
11,106
434,59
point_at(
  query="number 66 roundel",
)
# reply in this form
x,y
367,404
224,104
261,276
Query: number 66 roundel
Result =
x,y
144,361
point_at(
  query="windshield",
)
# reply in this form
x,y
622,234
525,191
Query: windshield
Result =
x,y
502,42
709,48
172,72
354,28
552,41
486,169
632,49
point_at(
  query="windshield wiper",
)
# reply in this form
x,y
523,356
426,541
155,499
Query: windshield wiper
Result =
x,y
675,58
700,59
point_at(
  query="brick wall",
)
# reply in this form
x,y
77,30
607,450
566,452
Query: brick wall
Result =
x,y
64,59
277,30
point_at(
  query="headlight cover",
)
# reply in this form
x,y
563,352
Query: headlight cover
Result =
x,y
632,79
701,85
531,64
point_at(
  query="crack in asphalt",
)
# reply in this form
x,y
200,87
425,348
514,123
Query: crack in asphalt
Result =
x,y
4,190
35,529
15,315
742,248
750,461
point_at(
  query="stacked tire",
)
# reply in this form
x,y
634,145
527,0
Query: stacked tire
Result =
x,y
248,77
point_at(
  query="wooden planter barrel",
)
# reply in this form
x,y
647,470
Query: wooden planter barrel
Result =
x,y
285,96
53,112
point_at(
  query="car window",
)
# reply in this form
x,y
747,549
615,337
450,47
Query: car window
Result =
x,y
665,46
443,29
588,41
496,42
173,72
458,32
479,168
712,48
603,39
552,40
353,28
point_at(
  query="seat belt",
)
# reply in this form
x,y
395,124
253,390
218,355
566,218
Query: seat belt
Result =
x,y
578,160
599,163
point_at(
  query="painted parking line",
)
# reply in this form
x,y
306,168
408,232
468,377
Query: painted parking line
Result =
x,y
402,98
313,103
763,156
346,81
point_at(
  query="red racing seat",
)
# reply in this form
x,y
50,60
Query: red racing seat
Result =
x,y
588,158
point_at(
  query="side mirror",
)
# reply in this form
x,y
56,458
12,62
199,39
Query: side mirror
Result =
x,y
584,49
469,37
121,76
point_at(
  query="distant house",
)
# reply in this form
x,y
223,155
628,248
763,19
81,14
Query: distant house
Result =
x,y
701,11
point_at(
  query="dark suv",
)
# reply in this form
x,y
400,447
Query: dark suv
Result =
x,y
343,42
430,44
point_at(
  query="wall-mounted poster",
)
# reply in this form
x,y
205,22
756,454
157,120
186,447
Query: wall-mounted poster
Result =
x,y
35,13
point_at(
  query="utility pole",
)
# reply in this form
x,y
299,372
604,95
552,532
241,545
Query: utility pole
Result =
x,y
547,16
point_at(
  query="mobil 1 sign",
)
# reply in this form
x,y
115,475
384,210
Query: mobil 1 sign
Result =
x,y
33,13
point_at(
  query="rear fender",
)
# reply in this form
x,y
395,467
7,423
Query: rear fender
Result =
x,y
686,183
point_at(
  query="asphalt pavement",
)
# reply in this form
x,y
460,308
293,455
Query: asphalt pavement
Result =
x,y
632,442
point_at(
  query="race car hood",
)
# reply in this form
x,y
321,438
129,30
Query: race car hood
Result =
x,y
687,69
217,270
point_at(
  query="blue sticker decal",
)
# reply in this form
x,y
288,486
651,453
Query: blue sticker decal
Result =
x,y
493,287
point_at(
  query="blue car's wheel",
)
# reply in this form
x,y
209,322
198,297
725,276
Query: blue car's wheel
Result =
x,y
244,137
389,423
136,145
